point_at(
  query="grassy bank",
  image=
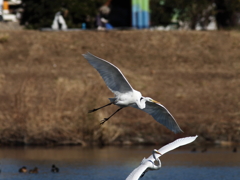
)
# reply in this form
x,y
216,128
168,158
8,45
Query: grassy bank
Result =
x,y
47,87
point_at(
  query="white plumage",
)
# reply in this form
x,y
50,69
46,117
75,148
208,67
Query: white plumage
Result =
x,y
125,95
150,164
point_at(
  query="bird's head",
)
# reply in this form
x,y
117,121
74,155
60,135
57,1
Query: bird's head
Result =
x,y
151,100
157,162
156,151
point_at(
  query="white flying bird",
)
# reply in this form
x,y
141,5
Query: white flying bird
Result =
x,y
153,162
125,95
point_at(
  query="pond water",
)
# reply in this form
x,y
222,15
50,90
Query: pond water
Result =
x,y
116,163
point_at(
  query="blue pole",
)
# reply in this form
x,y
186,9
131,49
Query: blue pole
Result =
x,y
134,13
140,14
146,13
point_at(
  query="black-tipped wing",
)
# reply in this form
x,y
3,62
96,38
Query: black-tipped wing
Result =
x,y
161,115
112,76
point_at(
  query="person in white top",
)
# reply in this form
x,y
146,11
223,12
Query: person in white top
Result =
x,y
1,4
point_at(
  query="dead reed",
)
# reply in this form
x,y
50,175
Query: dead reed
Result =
x,y
47,87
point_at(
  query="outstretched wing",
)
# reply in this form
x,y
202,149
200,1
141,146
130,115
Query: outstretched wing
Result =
x,y
112,76
146,163
161,115
137,173
173,145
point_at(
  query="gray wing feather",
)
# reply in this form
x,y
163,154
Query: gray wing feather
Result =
x,y
112,76
161,115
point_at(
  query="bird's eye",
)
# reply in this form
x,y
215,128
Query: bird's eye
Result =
x,y
141,98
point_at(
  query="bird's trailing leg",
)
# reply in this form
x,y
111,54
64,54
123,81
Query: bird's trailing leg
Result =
x,y
105,119
100,107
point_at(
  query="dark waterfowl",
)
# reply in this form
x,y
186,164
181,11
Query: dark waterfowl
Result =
x,y
194,149
234,149
23,169
204,150
55,169
34,171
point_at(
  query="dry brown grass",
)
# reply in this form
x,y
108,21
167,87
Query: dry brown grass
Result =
x,y
47,87
4,37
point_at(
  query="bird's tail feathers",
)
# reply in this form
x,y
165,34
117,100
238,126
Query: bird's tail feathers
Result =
x,y
112,99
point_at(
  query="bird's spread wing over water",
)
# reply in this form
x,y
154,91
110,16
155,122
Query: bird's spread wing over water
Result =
x,y
161,115
146,163
112,76
173,145
137,173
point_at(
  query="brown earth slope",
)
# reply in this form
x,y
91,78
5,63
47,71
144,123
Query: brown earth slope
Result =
x,y
47,87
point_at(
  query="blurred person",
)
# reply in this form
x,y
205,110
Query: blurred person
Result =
x,y
103,16
99,23
5,7
90,21
19,13
59,22
1,10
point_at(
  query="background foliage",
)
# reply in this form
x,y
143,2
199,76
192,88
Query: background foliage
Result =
x,y
226,12
40,13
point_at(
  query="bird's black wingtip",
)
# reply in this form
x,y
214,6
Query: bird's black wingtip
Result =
x,y
85,54
176,131
88,54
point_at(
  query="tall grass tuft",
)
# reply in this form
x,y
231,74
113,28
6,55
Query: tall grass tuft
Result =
x,y
4,37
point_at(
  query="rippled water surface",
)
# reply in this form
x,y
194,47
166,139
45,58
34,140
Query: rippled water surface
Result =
x,y
116,163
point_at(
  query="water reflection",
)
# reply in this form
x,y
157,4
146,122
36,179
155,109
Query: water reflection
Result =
x,y
117,162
